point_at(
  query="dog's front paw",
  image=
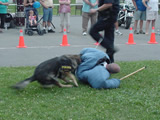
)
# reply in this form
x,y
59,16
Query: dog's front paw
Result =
x,y
69,85
76,84
69,81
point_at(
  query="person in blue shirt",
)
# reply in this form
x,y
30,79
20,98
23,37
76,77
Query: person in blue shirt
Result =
x,y
86,15
139,15
107,16
95,69
3,11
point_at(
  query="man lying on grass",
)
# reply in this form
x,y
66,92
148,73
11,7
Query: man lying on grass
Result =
x,y
95,69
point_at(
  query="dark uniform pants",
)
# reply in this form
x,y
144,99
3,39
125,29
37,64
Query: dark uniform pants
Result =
x,y
106,25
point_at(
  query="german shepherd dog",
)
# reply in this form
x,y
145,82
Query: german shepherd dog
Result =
x,y
50,72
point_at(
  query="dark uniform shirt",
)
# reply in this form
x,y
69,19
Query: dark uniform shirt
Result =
x,y
111,12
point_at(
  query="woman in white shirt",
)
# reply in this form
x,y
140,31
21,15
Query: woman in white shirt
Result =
x,y
151,12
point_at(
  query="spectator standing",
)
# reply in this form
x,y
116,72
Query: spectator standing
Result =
x,y
86,15
28,3
117,32
139,15
47,15
65,12
3,11
151,12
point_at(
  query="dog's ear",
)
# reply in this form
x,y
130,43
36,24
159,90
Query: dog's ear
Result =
x,y
75,60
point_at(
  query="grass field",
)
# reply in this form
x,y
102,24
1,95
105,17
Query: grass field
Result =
x,y
138,97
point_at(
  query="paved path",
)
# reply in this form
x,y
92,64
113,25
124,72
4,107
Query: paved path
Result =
x,y
40,48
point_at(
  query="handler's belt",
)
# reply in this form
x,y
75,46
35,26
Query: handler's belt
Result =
x,y
105,13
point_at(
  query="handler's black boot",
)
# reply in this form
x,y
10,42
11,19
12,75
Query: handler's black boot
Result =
x,y
111,53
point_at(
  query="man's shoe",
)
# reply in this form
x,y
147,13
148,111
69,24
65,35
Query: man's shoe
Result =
x,y
44,31
116,49
141,32
136,32
111,53
117,32
84,34
51,31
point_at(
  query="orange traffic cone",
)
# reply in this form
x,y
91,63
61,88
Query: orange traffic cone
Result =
x,y
130,38
153,37
64,39
96,43
21,40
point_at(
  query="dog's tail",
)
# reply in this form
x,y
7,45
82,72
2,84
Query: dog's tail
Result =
x,y
22,84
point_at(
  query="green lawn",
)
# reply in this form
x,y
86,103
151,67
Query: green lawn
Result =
x,y
138,97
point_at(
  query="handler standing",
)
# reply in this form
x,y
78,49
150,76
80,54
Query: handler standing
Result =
x,y
107,16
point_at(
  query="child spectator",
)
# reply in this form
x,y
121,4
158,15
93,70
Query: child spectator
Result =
x,y
32,18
